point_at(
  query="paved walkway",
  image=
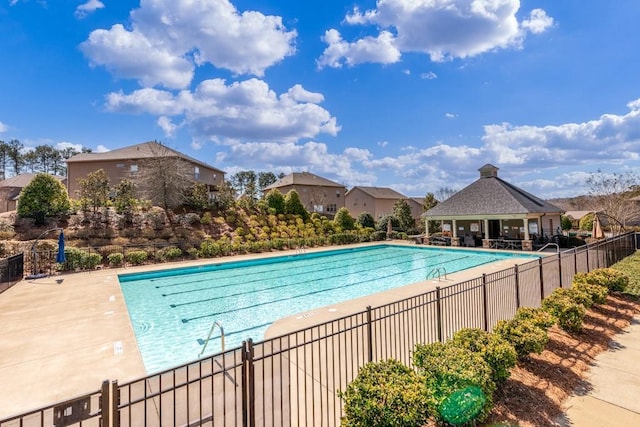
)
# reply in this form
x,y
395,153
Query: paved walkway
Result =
x,y
615,386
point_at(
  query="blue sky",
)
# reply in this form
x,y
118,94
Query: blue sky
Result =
x,y
410,94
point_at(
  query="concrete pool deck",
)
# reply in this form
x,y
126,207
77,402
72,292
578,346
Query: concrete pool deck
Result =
x,y
63,335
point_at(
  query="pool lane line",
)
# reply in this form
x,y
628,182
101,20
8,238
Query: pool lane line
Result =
x,y
292,284
186,320
285,274
270,268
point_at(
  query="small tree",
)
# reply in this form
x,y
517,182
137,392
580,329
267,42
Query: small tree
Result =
x,y
565,223
275,201
365,219
344,220
402,211
45,196
198,197
94,190
586,222
125,200
293,205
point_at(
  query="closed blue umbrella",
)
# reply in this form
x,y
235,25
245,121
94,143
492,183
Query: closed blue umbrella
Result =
x,y
60,257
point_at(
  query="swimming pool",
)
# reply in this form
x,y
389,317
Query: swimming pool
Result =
x,y
172,310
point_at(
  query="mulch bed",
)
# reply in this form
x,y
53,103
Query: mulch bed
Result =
x,y
538,387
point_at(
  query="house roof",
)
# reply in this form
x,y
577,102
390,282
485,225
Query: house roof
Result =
x,y
490,195
145,150
22,180
303,178
577,214
379,192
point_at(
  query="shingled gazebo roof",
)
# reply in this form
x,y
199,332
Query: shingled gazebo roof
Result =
x,y
490,195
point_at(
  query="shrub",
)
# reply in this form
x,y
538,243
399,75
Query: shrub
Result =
x,y
343,238
377,236
169,253
499,354
562,304
524,333
206,219
115,259
137,257
447,368
79,259
597,293
614,280
538,316
193,253
384,393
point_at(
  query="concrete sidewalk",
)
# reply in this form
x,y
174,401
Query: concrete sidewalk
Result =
x,y
614,397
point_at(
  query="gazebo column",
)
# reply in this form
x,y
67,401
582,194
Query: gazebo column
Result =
x,y
454,233
485,241
527,244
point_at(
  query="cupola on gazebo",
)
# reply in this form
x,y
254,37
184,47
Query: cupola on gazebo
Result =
x,y
497,213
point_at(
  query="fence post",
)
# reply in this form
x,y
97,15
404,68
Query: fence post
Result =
x,y
248,392
484,301
541,280
105,406
517,277
588,266
369,335
438,313
575,260
560,268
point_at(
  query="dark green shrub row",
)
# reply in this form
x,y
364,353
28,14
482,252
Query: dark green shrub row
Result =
x,y
78,259
454,383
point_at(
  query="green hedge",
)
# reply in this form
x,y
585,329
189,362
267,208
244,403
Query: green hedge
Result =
x,y
527,331
563,305
499,354
385,394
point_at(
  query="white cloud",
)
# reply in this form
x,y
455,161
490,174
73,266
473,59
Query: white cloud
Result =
x,y
538,21
167,126
63,145
450,115
3,127
634,105
378,49
101,149
382,143
247,110
443,29
169,38
311,156
89,7
429,76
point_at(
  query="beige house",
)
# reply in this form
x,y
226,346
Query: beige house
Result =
x,y
378,201
317,194
10,189
126,162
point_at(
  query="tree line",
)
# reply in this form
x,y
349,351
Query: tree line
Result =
x,y
15,158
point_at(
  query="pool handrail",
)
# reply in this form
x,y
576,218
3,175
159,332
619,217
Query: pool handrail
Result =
x,y
213,326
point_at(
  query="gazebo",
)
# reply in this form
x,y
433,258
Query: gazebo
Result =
x,y
495,213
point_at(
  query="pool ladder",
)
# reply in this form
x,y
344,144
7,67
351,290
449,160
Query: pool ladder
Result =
x,y
213,326
437,271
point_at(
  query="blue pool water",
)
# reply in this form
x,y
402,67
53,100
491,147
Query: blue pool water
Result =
x,y
172,310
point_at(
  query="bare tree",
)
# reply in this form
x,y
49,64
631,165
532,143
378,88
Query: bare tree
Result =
x,y
444,193
612,194
164,179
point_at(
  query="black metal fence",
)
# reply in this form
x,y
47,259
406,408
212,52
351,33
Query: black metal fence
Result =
x,y
293,379
11,271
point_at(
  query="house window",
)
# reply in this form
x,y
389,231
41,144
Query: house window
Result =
x,y
133,168
337,194
120,165
196,172
318,208
332,208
